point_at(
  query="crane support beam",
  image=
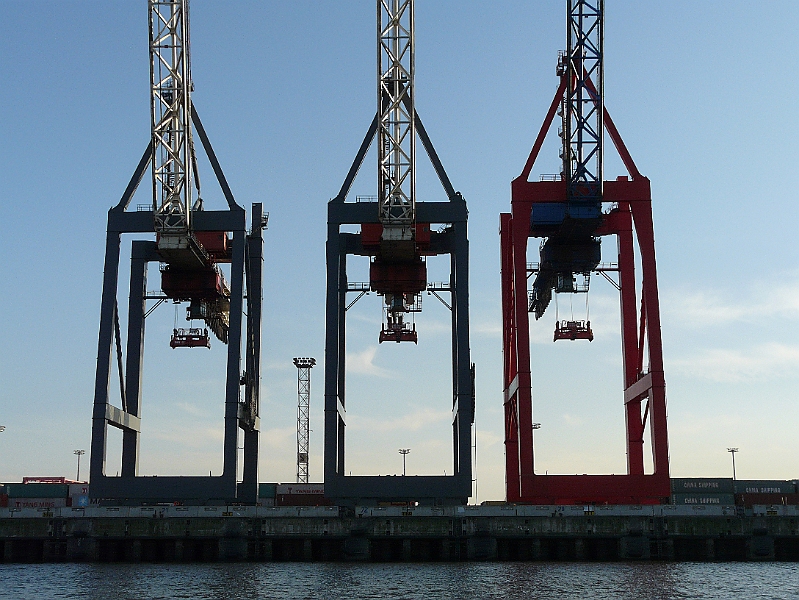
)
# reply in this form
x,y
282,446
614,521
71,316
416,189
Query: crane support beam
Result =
x,y
346,489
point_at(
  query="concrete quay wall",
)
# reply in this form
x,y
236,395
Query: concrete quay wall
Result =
x,y
207,534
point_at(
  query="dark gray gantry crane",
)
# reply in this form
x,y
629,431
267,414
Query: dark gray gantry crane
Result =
x,y
190,243
395,233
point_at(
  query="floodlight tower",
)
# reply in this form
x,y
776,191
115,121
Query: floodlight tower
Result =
x,y
189,243
571,212
395,233
304,366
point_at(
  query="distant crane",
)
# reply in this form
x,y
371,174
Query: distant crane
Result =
x,y
190,244
396,235
571,211
304,366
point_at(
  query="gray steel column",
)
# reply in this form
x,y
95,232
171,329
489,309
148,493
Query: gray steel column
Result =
x,y
460,308
137,306
254,267
332,358
104,343
230,471
342,356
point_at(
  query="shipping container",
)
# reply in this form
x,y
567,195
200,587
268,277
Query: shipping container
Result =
x,y
297,489
750,500
302,500
38,490
758,486
78,489
3,500
703,499
267,490
702,485
37,502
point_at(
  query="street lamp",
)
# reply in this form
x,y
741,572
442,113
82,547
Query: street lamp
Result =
x,y
79,453
733,451
405,452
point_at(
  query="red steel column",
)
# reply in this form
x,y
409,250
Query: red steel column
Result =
x,y
520,227
642,216
510,360
629,338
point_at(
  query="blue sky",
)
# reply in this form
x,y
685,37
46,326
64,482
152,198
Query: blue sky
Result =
x,y
704,94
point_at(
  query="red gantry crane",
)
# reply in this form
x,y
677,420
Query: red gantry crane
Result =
x,y
571,213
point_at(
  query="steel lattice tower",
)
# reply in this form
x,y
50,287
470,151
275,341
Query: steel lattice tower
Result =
x,y
170,108
397,131
304,366
583,99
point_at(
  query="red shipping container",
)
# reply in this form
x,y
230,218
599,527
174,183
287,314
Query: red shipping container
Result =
x,y
3,500
216,243
302,500
37,502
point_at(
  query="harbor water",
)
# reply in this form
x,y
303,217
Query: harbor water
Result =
x,y
639,581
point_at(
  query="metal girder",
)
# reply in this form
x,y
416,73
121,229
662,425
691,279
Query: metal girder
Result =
x,y
346,489
246,262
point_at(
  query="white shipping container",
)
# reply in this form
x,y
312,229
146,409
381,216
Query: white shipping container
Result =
x,y
300,489
37,502
78,489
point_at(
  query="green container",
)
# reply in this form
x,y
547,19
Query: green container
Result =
x,y
37,490
703,499
267,490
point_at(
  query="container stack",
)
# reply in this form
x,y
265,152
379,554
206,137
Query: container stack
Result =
x,y
3,496
78,495
37,495
765,492
707,491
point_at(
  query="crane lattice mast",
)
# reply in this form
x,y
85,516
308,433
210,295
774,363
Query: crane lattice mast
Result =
x,y
397,130
170,107
304,366
584,105
571,247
